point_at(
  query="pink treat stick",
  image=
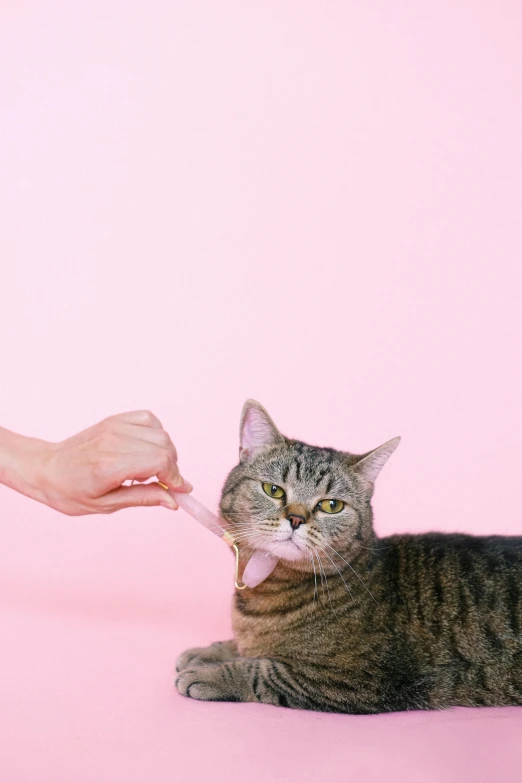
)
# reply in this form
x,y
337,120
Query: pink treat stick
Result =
x,y
260,565
200,513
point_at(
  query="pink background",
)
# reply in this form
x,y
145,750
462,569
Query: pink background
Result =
x,y
317,204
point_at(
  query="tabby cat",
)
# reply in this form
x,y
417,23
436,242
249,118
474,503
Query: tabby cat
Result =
x,y
349,622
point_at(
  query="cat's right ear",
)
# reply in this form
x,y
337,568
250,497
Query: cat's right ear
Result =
x,y
257,430
370,465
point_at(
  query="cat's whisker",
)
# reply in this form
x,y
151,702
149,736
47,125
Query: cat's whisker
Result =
x,y
320,571
352,569
315,600
251,543
329,596
248,534
373,548
311,553
338,571
325,580
251,529
315,576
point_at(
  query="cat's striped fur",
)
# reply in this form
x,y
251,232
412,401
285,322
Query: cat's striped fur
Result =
x,y
348,622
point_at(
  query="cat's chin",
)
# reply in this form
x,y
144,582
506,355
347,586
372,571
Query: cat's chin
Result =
x,y
286,550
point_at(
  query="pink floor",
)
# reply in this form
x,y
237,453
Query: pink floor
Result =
x,y
78,688
89,631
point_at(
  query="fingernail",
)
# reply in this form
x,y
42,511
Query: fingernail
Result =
x,y
182,486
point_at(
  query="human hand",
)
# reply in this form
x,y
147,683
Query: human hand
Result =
x,y
84,474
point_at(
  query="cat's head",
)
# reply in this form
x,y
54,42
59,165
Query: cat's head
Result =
x,y
291,499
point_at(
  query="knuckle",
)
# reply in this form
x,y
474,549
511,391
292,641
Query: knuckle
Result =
x,y
148,417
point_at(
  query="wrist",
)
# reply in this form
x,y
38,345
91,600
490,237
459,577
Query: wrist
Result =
x,y
22,464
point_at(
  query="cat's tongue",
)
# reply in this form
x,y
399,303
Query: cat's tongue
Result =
x,y
260,565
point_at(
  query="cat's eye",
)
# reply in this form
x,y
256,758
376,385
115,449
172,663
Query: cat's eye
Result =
x,y
273,491
330,506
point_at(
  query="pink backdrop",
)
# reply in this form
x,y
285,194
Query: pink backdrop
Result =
x,y
314,204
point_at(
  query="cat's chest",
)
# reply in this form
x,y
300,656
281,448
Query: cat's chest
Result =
x,y
307,632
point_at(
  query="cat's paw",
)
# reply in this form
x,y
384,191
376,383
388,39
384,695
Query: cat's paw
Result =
x,y
206,683
215,653
192,654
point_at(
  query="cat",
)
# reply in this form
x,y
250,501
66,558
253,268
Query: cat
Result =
x,y
349,622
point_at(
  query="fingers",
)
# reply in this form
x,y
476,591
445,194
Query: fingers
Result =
x,y
136,495
141,460
137,447
140,418
149,434
161,462
168,471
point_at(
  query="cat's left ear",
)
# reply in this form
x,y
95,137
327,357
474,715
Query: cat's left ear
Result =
x,y
257,430
370,465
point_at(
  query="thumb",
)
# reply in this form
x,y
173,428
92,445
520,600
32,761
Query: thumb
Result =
x,y
137,495
173,479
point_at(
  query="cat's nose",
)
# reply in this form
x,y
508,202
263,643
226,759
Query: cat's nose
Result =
x,y
295,520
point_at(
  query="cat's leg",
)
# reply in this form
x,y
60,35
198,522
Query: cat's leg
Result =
x,y
246,679
215,653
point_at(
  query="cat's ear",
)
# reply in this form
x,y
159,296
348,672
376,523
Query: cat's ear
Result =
x,y
370,465
257,430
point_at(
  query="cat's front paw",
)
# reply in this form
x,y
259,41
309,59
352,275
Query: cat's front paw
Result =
x,y
192,654
215,653
206,683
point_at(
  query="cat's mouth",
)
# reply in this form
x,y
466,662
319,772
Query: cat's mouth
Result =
x,y
283,544
286,548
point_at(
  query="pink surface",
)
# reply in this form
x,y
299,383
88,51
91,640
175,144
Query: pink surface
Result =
x,y
313,204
